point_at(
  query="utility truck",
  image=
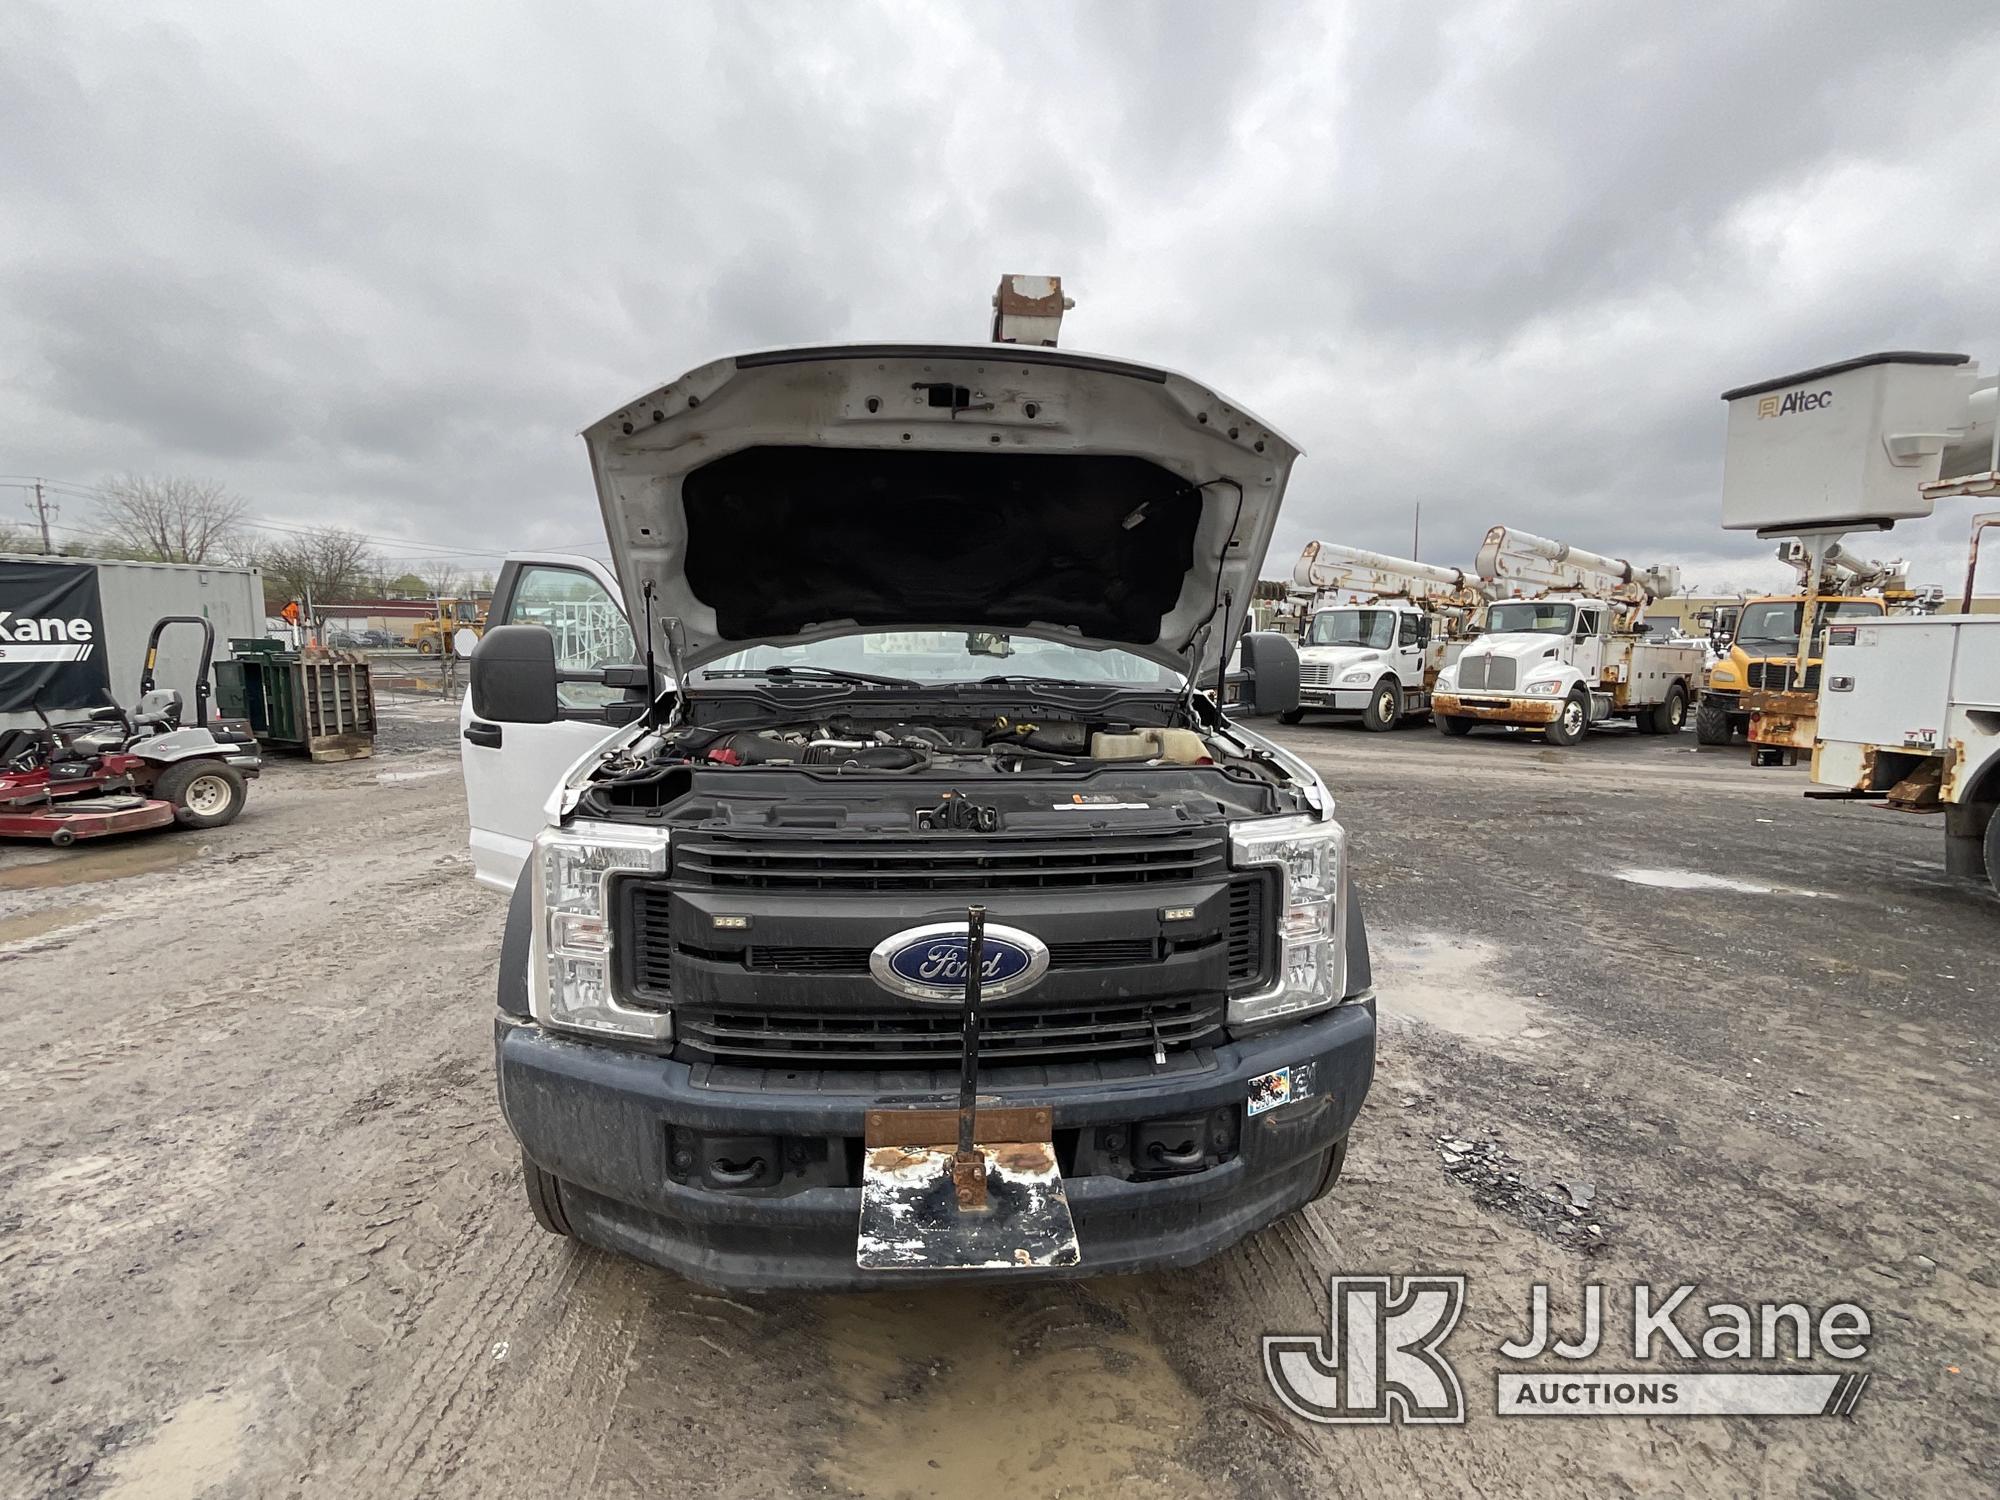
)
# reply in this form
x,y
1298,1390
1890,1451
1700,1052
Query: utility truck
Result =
x,y
901,903
1566,654
1855,445
1378,632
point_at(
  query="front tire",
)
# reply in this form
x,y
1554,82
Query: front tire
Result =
x,y
1992,848
1292,716
545,1198
1711,723
1385,705
1455,727
1569,725
204,793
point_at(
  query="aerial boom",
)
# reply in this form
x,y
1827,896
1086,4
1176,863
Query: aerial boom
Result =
x,y
1519,557
1327,567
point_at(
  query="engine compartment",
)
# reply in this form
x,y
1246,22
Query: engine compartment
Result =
x,y
825,756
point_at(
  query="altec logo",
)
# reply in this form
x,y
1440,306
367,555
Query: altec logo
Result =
x,y
44,638
1791,401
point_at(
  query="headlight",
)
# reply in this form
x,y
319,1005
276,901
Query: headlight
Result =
x,y
1366,674
569,976
1310,857
1547,688
1447,680
1722,675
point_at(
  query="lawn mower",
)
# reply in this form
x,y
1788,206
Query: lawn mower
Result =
x,y
115,772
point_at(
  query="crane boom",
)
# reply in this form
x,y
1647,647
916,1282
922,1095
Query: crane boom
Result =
x,y
1521,557
1326,566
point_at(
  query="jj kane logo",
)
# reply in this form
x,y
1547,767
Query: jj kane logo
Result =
x,y
1791,401
44,638
1382,1359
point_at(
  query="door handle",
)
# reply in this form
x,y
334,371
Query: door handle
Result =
x,y
479,732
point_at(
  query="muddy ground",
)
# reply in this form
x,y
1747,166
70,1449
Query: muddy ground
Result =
x,y
261,1232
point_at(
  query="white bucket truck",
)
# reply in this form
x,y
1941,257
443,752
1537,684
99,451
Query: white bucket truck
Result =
x,y
1570,655
1378,632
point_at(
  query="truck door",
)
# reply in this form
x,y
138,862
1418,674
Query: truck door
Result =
x,y
511,769
1587,650
1412,636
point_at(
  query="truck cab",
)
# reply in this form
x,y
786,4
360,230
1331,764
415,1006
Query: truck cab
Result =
x,y
894,636
1762,657
1376,660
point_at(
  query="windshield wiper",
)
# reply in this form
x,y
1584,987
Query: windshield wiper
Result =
x,y
813,674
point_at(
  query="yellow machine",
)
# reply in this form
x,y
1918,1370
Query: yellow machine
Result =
x,y
432,636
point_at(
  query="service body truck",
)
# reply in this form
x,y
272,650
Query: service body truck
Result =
x,y
1571,657
937,622
1909,713
1378,632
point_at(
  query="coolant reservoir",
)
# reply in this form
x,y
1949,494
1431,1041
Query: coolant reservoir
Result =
x,y
1177,747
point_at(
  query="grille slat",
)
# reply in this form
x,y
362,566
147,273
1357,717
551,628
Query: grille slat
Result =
x,y
983,863
782,959
909,1037
1247,924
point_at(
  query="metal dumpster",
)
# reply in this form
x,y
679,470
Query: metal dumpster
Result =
x,y
314,700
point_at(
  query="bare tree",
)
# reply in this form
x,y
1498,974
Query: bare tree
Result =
x,y
444,580
326,564
170,518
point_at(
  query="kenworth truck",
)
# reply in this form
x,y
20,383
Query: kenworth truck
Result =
x,y
1571,656
1378,632
907,907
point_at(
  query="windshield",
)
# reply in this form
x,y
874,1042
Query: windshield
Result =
x,y
1353,627
1775,622
949,656
1530,615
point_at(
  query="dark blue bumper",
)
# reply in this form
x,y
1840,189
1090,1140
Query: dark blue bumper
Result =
x,y
603,1121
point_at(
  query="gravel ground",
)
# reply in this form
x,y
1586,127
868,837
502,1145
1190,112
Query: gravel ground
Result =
x,y
261,1231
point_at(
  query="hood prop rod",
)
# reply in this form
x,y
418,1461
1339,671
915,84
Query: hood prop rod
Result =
x,y
968,1167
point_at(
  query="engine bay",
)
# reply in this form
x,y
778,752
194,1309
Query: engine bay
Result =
x,y
822,756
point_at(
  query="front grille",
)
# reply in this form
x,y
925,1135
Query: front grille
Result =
x,y
903,1038
977,863
1315,674
790,959
1778,676
1486,672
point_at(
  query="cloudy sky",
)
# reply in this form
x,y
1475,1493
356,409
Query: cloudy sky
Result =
x,y
378,263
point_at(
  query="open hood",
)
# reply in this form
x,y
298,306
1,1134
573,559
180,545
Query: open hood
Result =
x,y
806,493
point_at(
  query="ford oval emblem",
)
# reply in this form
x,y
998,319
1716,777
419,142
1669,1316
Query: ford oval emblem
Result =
x,y
929,963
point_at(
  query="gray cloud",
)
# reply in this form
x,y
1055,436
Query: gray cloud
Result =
x,y
380,264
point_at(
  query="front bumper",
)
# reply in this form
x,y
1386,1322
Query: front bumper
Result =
x,y
602,1120
1344,699
1499,708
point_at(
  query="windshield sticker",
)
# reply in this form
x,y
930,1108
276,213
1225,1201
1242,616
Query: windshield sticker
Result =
x,y
1099,802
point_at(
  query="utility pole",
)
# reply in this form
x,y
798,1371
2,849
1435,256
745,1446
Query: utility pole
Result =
x,y
1416,532
42,515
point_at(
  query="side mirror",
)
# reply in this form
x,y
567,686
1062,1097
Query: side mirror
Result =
x,y
1271,670
514,676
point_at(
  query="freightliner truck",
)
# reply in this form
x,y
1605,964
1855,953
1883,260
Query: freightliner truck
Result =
x,y
907,907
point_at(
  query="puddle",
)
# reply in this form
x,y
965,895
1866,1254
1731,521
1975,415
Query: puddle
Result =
x,y
36,924
143,855
1694,880
1447,982
188,1455
989,1392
